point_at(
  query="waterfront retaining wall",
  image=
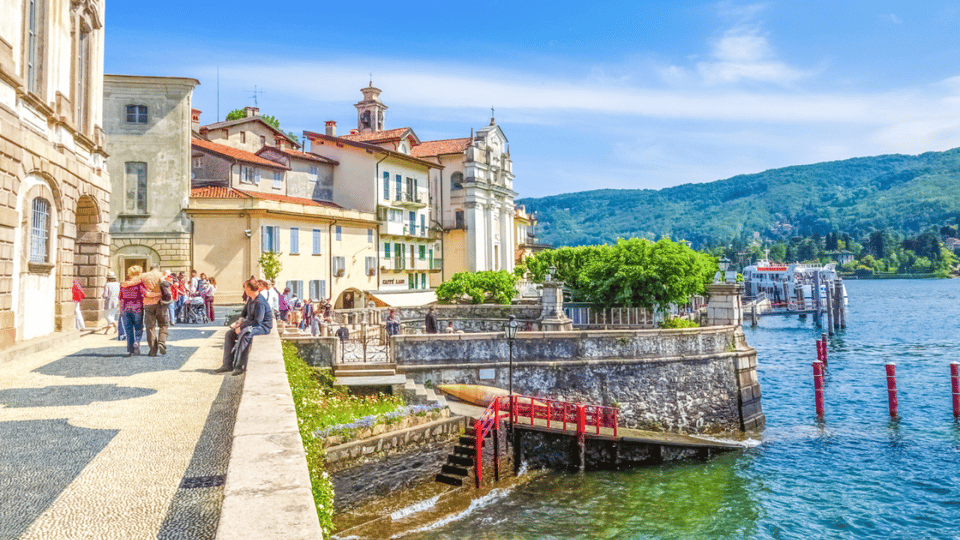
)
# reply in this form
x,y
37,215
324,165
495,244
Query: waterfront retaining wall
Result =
x,y
381,465
693,380
316,351
469,318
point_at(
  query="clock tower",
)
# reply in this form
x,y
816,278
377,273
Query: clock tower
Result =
x,y
370,110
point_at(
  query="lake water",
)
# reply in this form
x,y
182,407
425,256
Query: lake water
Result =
x,y
856,475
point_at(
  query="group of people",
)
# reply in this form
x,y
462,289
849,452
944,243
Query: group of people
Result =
x,y
153,300
308,315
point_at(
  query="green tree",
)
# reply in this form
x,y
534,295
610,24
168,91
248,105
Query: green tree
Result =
x,y
237,114
499,287
270,265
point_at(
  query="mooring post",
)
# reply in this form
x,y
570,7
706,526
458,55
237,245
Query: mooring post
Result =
x,y
581,435
837,302
892,388
828,287
823,341
478,459
955,386
818,387
496,440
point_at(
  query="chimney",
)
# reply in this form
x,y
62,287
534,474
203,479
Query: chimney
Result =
x,y
251,111
195,119
331,128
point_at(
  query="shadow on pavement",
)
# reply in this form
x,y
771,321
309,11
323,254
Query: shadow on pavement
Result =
x,y
69,396
38,460
105,362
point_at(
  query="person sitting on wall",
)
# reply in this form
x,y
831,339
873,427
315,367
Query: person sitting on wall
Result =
x,y
256,320
393,323
449,329
430,322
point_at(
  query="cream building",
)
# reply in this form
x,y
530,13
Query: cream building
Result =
x,y
473,194
148,130
54,208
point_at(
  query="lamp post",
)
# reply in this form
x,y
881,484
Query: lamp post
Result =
x,y
551,272
724,264
510,329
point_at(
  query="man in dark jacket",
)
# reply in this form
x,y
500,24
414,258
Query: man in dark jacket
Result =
x,y
430,323
256,319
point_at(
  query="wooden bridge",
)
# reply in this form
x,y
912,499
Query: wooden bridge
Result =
x,y
580,421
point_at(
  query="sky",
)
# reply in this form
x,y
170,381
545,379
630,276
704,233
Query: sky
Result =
x,y
621,95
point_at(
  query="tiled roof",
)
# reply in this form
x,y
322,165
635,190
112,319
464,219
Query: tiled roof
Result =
x,y
436,148
228,123
220,192
380,136
235,153
302,155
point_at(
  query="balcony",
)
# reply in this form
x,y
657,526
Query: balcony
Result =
x,y
393,264
436,264
417,199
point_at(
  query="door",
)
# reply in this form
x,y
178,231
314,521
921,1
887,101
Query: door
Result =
x,y
128,262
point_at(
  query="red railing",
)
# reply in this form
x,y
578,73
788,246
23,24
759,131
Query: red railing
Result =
x,y
557,415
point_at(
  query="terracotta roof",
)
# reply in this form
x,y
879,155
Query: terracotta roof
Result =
x,y
257,118
381,136
220,192
235,153
320,138
299,154
436,148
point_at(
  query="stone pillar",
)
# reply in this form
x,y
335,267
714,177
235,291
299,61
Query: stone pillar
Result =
x,y
553,318
725,306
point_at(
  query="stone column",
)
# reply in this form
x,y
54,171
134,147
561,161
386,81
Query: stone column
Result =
x,y
472,237
725,306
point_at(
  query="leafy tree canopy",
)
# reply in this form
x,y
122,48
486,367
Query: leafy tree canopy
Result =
x,y
480,287
270,264
237,114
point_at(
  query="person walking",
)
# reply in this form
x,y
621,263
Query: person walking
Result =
x,y
131,310
78,296
111,302
284,304
154,308
208,299
430,321
172,306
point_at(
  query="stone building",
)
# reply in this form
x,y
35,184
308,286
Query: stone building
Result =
x,y
54,186
148,130
473,194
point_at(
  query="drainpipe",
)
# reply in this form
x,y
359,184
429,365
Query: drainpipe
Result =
x,y
330,233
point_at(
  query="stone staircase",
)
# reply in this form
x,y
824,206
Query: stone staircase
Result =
x,y
386,375
459,466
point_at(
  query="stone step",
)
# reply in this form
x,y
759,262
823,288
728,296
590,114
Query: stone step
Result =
x,y
464,450
462,461
453,470
370,381
364,373
468,441
451,480
364,365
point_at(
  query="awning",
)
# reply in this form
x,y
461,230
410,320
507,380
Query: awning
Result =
x,y
402,298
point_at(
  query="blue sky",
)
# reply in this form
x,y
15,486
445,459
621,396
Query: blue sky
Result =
x,y
590,95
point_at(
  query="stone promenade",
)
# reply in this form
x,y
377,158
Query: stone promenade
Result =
x,y
96,445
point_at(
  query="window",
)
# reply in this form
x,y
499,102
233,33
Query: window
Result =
x,y
456,180
386,186
40,231
423,224
136,184
270,238
296,287
294,240
386,251
249,175
399,187
369,236
423,253
411,281
370,266
83,77
339,233
413,223
278,180
459,220
339,266
34,33
318,242
263,141
243,137
411,189
318,289
136,114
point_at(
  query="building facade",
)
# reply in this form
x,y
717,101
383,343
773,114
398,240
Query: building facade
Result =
x,y
148,121
54,208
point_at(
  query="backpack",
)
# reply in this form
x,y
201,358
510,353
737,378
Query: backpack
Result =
x,y
166,295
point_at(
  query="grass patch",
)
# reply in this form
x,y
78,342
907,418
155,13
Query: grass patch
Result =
x,y
320,405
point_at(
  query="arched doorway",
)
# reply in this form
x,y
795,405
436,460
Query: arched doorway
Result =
x,y
350,299
90,257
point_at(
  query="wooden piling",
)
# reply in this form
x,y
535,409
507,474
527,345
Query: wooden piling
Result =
x,y
828,289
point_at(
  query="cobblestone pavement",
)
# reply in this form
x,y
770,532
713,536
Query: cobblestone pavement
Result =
x,y
95,445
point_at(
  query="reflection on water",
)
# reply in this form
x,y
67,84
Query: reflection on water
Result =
x,y
856,474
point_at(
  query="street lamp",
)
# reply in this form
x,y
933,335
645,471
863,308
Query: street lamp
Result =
x,y
510,329
724,264
551,272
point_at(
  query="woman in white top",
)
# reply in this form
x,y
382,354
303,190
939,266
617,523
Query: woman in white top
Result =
x,y
111,301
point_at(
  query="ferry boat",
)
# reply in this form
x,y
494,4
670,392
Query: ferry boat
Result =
x,y
790,285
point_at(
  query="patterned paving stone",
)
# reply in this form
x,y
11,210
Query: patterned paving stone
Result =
x,y
97,445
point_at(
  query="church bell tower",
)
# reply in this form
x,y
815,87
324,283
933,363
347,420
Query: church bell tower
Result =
x,y
370,111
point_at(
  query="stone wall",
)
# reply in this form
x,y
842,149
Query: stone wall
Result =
x,y
694,380
469,318
378,466
170,251
316,351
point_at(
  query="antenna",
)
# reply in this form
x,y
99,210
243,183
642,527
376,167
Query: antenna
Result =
x,y
255,93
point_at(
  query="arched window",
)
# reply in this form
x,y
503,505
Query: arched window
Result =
x,y
40,231
456,180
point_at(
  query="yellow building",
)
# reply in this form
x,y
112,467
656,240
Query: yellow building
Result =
x,y
54,186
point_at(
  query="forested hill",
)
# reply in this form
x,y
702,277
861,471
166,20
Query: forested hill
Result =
x,y
896,192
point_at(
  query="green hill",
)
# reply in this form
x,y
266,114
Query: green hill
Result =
x,y
896,192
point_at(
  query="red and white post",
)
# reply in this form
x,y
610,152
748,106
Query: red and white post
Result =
x,y
818,386
955,386
892,388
